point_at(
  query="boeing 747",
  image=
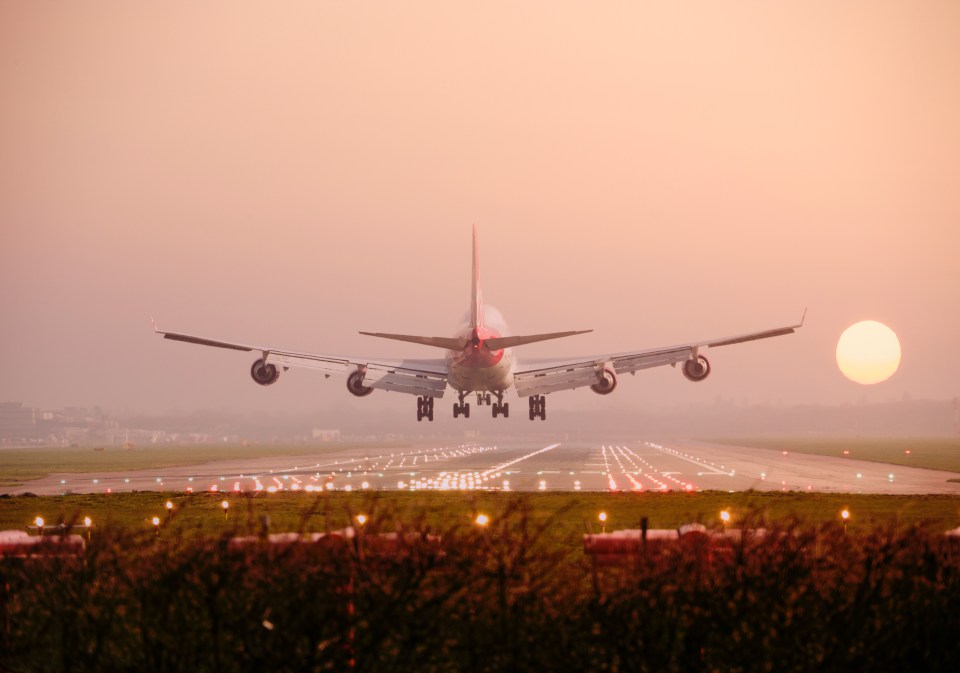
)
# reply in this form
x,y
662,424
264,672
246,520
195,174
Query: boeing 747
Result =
x,y
479,361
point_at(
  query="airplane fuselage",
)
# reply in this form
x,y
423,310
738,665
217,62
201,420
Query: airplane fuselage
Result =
x,y
476,367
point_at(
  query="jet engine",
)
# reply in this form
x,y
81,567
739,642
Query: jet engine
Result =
x,y
607,382
264,374
355,385
696,369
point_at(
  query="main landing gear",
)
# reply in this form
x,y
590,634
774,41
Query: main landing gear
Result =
x,y
538,407
462,407
500,408
424,408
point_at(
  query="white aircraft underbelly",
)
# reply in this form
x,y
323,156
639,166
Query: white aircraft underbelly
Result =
x,y
497,377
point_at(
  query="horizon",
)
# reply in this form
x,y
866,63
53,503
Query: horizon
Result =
x,y
652,174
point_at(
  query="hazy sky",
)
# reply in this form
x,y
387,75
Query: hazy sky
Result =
x,y
289,173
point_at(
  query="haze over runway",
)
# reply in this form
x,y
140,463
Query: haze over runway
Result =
x,y
654,172
629,465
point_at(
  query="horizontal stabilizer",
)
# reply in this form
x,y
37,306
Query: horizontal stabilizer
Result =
x,y
500,343
439,342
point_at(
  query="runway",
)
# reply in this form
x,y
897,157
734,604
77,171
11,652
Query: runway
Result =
x,y
635,465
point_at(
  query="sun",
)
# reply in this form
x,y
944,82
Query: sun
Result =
x,y
868,352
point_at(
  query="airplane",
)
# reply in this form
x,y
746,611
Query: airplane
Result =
x,y
479,360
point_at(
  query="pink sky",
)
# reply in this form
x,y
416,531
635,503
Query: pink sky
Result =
x,y
290,173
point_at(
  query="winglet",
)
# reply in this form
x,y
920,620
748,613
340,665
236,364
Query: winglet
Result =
x,y
155,328
803,317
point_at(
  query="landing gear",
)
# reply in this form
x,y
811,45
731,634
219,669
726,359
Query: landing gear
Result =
x,y
484,398
424,408
461,407
538,407
500,408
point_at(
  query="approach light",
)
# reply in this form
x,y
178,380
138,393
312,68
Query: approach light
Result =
x,y
845,514
87,521
361,519
169,505
39,522
725,516
482,519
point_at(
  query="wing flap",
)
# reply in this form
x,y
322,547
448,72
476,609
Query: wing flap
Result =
x,y
328,365
405,381
546,381
632,363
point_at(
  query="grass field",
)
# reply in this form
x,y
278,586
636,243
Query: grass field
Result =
x,y
517,595
20,465
569,515
939,453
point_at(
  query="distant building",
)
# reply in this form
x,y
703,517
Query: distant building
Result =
x,y
326,435
18,424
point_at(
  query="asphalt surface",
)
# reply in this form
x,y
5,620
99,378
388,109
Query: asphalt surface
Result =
x,y
635,465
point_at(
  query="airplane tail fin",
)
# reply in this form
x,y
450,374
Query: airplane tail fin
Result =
x,y
476,299
476,320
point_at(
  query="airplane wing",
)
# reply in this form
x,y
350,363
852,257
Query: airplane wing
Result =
x,y
414,377
539,377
